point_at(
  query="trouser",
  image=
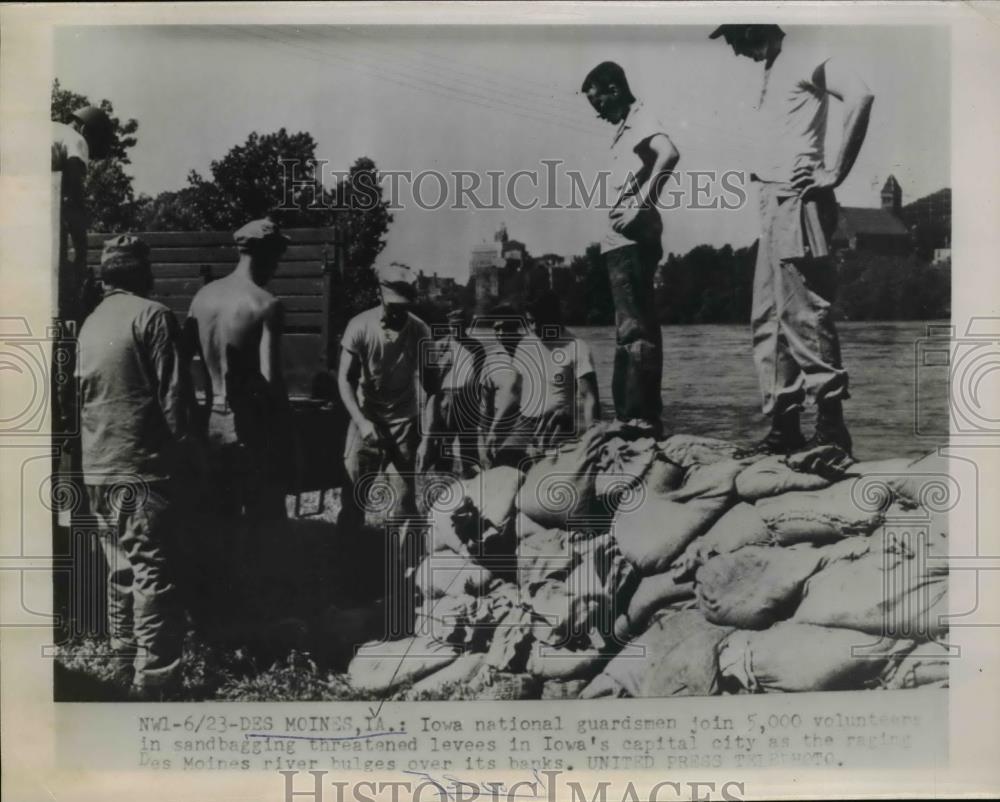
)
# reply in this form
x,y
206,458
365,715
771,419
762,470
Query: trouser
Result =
x,y
244,480
136,530
380,479
528,438
456,417
638,367
795,345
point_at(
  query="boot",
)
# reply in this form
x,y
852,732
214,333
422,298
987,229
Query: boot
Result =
x,y
830,427
784,437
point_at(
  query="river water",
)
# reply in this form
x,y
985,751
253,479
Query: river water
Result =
x,y
898,405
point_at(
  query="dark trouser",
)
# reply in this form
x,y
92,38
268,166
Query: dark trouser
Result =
x,y
638,369
137,530
244,481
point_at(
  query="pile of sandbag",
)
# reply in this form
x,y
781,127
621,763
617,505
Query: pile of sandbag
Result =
x,y
617,565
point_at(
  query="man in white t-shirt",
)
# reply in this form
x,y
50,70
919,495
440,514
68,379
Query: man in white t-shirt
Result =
x,y
554,368
795,344
380,362
641,159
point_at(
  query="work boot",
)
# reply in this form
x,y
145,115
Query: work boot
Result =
x,y
830,427
784,437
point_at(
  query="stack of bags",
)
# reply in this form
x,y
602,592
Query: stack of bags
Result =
x,y
619,565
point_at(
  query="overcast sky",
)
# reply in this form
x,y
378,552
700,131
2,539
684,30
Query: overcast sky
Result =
x,y
483,99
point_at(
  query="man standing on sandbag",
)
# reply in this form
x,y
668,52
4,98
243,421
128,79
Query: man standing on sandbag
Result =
x,y
554,367
136,432
383,351
640,160
235,325
795,343
499,389
453,412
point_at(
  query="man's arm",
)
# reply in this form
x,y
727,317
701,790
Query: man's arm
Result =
x,y
173,386
843,83
664,159
348,373
270,351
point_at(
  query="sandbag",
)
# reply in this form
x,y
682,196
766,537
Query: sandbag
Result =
x,y
927,665
446,573
654,533
663,476
753,587
801,657
652,594
559,488
621,466
382,667
544,554
678,658
465,511
565,664
740,526
881,585
446,682
924,481
823,516
773,476
688,450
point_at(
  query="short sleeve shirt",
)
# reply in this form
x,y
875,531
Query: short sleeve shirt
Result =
x,y
67,144
549,375
390,364
629,169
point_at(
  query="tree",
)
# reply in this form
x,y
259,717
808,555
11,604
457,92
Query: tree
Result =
x,y
110,194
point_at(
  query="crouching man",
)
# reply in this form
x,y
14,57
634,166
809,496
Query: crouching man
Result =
x,y
136,404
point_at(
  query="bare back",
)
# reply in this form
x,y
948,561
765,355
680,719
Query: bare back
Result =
x,y
233,317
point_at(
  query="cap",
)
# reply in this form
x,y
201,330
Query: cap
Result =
x,y
720,31
122,251
399,284
257,232
457,315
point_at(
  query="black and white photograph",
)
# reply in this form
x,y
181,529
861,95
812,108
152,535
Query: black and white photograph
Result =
x,y
500,363
428,390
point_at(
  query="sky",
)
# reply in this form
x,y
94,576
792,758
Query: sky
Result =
x,y
504,99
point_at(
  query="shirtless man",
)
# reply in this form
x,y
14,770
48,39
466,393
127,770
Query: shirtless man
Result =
x,y
235,325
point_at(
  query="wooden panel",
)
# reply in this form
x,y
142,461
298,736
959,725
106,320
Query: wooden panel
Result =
x,y
190,239
220,269
307,322
294,253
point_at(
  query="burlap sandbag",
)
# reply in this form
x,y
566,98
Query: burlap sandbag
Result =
x,y
823,516
740,526
773,476
676,656
927,665
381,667
559,488
801,657
753,587
655,532
924,481
652,594
465,511
688,450
880,585
446,572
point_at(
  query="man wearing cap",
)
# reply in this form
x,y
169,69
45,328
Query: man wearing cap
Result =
x,y
380,360
795,344
235,325
89,136
136,408
453,412
641,159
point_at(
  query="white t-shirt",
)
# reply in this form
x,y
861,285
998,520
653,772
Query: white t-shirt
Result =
x,y
548,374
67,143
390,364
460,364
789,129
628,166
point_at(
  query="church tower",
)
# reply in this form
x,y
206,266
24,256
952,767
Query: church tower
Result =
x,y
892,196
